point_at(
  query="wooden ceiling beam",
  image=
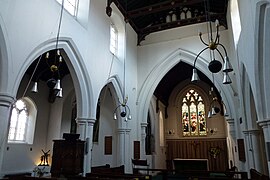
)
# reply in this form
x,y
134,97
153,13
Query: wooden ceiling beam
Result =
x,y
124,13
143,32
167,5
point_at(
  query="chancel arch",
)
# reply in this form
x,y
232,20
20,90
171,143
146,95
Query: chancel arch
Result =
x,y
160,70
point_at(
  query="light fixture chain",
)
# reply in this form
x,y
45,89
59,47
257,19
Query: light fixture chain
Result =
x,y
59,27
32,76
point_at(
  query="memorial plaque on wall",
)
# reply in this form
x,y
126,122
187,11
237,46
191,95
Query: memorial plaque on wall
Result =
x,y
108,145
268,150
241,150
136,149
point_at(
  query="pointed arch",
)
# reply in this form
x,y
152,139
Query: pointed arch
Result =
x,y
266,57
106,125
159,71
261,84
4,57
117,87
82,83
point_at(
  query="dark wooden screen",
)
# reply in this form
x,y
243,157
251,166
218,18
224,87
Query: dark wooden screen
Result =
x,y
199,149
136,149
241,150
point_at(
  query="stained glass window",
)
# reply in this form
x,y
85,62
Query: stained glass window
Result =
x,y
193,114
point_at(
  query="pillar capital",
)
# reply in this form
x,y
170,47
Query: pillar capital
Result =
x,y
230,121
123,130
84,120
264,123
252,131
144,124
6,99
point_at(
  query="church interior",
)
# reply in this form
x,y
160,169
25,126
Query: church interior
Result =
x,y
134,89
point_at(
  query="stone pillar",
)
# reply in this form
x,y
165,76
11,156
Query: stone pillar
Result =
x,y
231,140
266,132
231,128
6,102
121,146
253,149
85,129
123,149
143,136
128,150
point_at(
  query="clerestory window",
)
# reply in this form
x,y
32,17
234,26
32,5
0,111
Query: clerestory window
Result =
x,y
70,5
113,39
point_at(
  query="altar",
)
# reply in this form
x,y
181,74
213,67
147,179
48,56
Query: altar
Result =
x,y
190,164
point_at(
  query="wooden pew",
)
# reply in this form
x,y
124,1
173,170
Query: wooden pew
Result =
x,y
38,178
98,169
114,173
118,176
139,163
257,176
17,176
167,174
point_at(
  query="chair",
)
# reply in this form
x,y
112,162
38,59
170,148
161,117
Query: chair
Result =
x,y
139,163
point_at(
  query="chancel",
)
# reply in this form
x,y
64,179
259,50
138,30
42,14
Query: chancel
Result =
x,y
120,89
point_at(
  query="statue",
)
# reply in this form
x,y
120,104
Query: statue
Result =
x,y
44,161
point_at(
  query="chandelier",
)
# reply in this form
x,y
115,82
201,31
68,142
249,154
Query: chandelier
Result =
x,y
53,60
214,46
123,107
214,109
216,106
124,110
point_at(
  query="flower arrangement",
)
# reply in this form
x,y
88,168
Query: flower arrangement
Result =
x,y
214,151
39,171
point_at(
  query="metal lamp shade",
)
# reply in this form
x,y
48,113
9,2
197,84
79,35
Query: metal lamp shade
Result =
x,y
57,85
114,116
215,66
60,93
195,76
123,114
227,65
217,110
226,78
51,83
213,112
35,88
225,112
209,114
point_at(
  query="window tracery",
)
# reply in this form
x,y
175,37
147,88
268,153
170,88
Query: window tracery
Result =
x,y
193,114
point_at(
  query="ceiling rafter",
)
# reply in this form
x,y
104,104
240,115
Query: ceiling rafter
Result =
x,y
164,26
147,17
158,7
